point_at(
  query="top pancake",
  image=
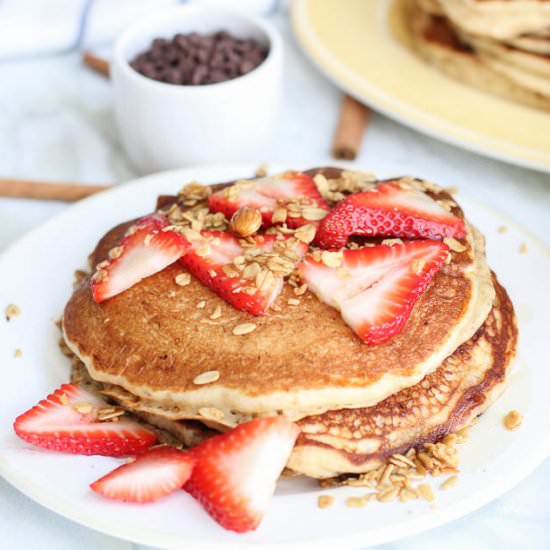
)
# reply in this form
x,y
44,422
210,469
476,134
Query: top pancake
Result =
x,y
153,341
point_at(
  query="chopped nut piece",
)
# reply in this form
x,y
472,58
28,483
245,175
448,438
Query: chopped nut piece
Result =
x,y
110,416
512,420
206,377
324,501
63,399
246,221
12,311
306,233
183,279
418,265
314,214
194,192
392,242
211,413
230,271
355,502
447,204
279,215
322,184
300,290
293,302
252,270
262,170
244,328
201,304
83,408
116,252
217,313
451,439
387,495
331,259
426,492
265,279
449,483
523,248
454,245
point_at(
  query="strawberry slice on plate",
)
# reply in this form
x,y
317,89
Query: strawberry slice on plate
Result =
x,y
153,474
291,197
374,288
67,421
237,269
146,249
390,211
235,473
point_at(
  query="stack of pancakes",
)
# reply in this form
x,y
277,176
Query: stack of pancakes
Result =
x,y
355,404
499,46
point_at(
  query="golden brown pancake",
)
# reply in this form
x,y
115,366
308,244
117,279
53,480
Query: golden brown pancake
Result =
x,y
499,19
352,441
450,398
152,341
438,42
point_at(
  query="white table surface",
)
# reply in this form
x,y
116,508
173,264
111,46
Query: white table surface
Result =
x,y
57,124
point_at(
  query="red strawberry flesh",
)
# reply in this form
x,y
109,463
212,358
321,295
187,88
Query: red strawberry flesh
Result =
x,y
147,249
268,192
235,473
211,251
154,474
389,211
375,288
55,423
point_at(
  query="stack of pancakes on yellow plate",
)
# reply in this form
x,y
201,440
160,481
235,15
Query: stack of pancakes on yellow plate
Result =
x,y
502,47
356,404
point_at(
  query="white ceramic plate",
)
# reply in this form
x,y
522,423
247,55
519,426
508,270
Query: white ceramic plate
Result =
x,y
36,274
355,44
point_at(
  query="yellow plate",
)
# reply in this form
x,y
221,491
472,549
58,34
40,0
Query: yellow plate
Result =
x,y
354,43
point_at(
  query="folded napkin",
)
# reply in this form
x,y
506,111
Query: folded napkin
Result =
x,y
31,27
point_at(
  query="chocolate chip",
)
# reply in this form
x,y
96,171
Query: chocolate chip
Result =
x,y
195,59
199,74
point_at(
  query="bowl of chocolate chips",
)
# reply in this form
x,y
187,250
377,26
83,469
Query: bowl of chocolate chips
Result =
x,y
196,85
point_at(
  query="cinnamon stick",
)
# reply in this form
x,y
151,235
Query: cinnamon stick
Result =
x,y
354,117
28,189
97,64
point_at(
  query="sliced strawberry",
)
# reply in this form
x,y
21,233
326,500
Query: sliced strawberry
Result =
x,y
267,193
376,288
146,249
389,211
154,474
235,473
66,421
211,260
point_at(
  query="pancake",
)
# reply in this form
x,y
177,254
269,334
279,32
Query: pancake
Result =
x,y
434,39
152,341
352,441
531,43
500,19
526,62
445,401
186,433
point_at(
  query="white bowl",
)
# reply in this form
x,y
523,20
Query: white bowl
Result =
x,y
165,126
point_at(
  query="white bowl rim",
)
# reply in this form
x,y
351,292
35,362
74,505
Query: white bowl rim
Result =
x,y
267,28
